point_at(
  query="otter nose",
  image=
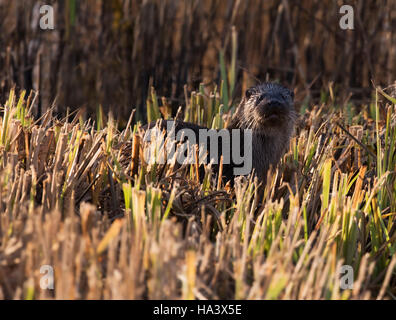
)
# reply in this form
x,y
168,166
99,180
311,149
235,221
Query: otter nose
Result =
x,y
274,106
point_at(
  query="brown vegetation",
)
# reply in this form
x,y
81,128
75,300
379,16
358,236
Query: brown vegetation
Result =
x,y
109,52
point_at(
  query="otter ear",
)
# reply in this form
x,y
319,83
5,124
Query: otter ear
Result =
x,y
249,92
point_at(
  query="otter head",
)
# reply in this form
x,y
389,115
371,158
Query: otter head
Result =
x,y
268,109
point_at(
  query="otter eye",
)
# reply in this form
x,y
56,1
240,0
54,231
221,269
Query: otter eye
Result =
x,y
290,94
260,98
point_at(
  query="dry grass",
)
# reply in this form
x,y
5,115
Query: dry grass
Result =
x,y
108,52
115,227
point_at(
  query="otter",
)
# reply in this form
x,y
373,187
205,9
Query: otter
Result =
x,y
267,111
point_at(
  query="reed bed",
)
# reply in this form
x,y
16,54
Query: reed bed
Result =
x,y
109,52
78,196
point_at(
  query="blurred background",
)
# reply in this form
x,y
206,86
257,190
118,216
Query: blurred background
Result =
x,y
110,52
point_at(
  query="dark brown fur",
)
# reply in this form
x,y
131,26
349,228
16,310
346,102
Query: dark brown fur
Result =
x,y
266,109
